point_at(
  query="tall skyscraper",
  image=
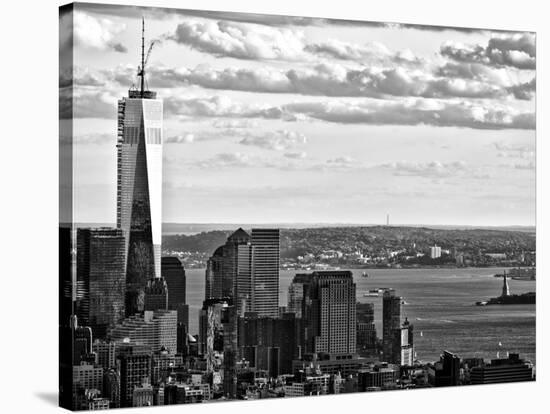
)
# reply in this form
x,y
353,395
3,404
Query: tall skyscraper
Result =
x,y
246,269
265,277
407,344
174,274
213,275
231,262
366,330
101,278
139,187
391,326
295,298
329,312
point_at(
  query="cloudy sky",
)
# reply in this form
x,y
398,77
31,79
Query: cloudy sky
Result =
x,y
286,119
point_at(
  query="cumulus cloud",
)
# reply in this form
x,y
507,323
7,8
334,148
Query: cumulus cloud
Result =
x,y
513,50
77,103
375,112
79,76
337,80
97,33
277,140
241,41
223,107
433,169
416,112
245,40
370,51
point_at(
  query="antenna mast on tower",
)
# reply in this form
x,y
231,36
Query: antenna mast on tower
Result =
x,y
141,72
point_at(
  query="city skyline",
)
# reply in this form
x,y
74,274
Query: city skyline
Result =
x,y
450,140
127,321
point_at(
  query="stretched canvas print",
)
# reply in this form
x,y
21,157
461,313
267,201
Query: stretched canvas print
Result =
x,y
262,206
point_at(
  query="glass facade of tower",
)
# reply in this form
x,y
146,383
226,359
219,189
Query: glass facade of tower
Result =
x,y
391,326
333,293
101,275
139,186
265,274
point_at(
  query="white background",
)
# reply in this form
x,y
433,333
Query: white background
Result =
x,y
29,204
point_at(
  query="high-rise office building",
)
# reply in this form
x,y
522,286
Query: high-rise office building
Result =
x,y
391,326
155,329
134,366
105,352
296,294
230,264
269,344
174,274
265,274
407,344
213,275
111,387
86,377
156,294
446,371
211,332
366,330
228,267
101,278
139,187
82,348
246,269
329,312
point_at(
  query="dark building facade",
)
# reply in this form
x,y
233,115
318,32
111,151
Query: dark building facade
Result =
x,y
173,272
269,344
134,365
101,279
246,269
329,312
445,372
511,369
391,327
156,294
366,330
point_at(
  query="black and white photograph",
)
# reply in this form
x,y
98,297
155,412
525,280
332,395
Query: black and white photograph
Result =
x,y
265,206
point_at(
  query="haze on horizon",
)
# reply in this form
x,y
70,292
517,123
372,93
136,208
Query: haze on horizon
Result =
x,y
273,119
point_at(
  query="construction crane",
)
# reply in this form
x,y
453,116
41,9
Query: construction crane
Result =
x,y
144,58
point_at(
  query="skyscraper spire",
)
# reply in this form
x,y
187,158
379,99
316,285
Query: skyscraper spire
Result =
x,y
141,72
